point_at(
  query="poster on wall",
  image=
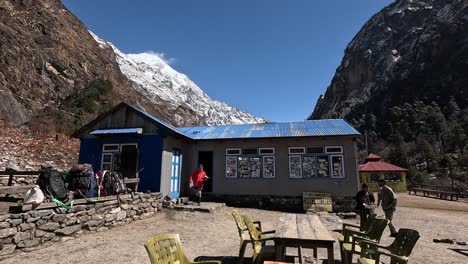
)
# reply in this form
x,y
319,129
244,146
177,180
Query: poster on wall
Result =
x,y
268,167
231,167
308,166
243,164
337,166
255,167
323,166
295,166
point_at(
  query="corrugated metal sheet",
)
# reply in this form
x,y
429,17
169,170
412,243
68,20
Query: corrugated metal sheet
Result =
x,y
328,127
117,131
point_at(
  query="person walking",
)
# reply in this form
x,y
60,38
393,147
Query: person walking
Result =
x,y
364,199
196,180
388,199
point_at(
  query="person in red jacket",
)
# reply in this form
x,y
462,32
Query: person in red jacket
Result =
x,y
197,179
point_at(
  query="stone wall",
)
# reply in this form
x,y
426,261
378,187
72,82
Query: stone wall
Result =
x,y
281,203
29,229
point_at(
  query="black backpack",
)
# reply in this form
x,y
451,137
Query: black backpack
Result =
x,y
51,182
113,183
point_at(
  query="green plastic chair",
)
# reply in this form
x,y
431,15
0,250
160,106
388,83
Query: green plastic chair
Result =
x,y
260,250
398,251
244,232
353,247
167,249
356,229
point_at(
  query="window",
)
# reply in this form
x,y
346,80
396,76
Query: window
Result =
x,y
255,167
373,177
107,159
249,151
314,150
110,148
243,167
295,167
231,167
392,176
323,169
337,166
296,150
250,163
334,149
233,151
268,166
268,151
308,166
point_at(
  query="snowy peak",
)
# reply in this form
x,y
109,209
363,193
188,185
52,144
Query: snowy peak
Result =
x,y
158,81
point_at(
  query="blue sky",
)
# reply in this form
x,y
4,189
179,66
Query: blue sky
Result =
x,y
272,58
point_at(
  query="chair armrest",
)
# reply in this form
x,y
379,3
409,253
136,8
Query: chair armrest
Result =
x,y
350,225
268,232
348,232
262,239
362,238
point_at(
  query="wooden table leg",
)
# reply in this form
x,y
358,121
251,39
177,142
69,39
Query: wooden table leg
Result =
x,y
279,249
315,253
331,255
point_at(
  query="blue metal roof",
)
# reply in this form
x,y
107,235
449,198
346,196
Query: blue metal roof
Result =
x,y
327,127
117,131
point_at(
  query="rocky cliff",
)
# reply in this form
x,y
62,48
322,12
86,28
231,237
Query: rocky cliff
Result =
x,y
411,50
403,79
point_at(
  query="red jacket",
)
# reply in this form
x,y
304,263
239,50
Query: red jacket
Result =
x,y
198,178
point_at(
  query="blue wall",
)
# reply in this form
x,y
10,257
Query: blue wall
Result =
x,y
149,156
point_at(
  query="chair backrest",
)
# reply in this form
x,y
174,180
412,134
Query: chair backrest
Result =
x,y
404,242
377,229
164,249
367,223
239,221
254,236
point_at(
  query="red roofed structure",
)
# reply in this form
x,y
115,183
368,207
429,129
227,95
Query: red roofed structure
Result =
x,y
374,168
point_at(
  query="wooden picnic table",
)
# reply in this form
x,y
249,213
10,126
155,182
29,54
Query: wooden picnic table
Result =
x,y
302,231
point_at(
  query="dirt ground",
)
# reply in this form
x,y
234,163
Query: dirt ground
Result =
x,y
215,234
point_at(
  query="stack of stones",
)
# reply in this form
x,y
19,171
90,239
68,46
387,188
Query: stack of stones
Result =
x,y
26,230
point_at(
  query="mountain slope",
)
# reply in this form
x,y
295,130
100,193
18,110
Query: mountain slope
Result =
x,y
403,79
154,78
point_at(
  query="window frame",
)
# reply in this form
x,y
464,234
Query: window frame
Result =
x,y
242,152
296,153
111,154
300,165
225,164
108,145
237,149
342,166
333,152
263,167
260,151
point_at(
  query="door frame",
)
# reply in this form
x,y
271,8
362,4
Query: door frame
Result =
x,y
204,166
176,173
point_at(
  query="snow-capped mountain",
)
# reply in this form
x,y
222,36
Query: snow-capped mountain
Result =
x,y
157,80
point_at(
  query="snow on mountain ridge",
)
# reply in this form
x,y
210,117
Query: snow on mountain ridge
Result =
x,y
158,80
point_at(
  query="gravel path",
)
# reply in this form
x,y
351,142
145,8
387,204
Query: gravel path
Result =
x,y
215,234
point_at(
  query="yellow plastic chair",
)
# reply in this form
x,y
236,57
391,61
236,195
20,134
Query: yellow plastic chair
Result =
x,y
356,229
354,247
244,232
260,250
167,249
398,251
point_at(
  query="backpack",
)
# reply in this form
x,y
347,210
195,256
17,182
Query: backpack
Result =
x,y
113,183
51,182
83,183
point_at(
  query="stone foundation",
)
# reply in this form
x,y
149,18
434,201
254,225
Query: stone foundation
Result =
x,y
32,228
280,203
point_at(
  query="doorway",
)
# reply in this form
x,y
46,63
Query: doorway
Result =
x,y
206,158
129,161
176,165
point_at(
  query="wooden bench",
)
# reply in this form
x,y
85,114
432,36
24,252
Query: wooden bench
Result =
x,y
438,193
19,189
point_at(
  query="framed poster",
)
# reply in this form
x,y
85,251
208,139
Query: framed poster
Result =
x,y
323,167
269,167
231,167
295,170
337,166
243,167
255,167
308,166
